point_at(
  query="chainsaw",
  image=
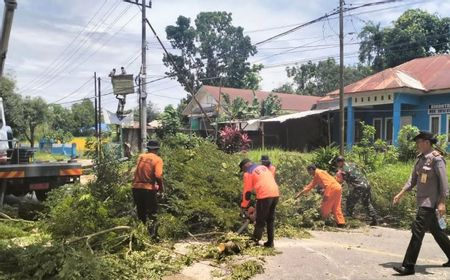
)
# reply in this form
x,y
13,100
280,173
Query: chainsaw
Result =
x,y
248,216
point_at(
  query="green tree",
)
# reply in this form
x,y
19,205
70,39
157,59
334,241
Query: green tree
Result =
x,y
320,78
271,106
12,102
84,117
61,119
212,48
371,49
170,122
416,33
152,112
34,112
285,88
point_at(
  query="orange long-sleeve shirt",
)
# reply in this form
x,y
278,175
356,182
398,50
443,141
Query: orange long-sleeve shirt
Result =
x,y
325,180
149,167
260,179
272,169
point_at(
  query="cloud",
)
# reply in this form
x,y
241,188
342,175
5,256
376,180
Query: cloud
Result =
x,y
43,29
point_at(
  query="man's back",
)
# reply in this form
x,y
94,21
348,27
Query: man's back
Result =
x,y
149,167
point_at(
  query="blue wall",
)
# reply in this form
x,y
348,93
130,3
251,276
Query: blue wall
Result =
x,y
407,105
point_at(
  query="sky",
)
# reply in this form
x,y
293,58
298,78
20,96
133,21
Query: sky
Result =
x,y
57,45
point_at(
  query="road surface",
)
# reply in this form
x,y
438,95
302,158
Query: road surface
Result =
x,y
367,253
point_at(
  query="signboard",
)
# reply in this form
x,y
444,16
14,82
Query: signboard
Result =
x,y
438,109
123,84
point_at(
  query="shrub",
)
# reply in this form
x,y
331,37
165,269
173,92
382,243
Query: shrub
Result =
x,y
323,157
407,148
232,140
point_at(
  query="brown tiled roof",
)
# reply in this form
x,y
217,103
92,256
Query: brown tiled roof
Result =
x,y
423,74
289,102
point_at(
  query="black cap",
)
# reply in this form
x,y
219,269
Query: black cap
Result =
x,y
425,135
243,163
311,167
152,145
265,158
339,159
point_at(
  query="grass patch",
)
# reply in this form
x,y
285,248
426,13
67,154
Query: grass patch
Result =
x,y
43,156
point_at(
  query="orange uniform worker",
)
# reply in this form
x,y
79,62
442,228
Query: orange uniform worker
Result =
x,y
259,179
332,196
266,162
147,182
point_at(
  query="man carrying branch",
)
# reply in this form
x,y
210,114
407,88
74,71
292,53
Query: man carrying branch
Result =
x,y
332,196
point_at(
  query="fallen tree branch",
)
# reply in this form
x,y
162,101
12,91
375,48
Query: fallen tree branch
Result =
x,y
208,233
6,217
89,236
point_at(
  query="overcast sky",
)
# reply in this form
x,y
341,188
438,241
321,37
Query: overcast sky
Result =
x,y
56,45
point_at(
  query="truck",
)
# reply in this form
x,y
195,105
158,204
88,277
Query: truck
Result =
x,y
19,175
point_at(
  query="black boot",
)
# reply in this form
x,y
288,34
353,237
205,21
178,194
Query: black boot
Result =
x,y
404,270
447,264
374,221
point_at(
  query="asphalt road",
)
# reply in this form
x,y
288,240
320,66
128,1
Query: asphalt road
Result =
x,y
367,253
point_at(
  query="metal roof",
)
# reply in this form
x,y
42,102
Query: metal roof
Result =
x,y
282,119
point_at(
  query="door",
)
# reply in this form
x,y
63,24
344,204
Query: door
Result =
x,y
389,128
435,124
378,125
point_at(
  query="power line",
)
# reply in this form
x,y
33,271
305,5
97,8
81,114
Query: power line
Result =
x,y
75,91
70,44
58,63
332,13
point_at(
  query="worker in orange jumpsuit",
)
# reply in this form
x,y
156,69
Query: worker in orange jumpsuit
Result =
x,y
147,183
266,162
259,179
332,196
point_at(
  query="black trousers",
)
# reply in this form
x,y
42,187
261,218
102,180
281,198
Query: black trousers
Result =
x,y
265,214
425,220
146,204
363,194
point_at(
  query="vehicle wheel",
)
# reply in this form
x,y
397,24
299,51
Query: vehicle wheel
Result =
x,y
41,195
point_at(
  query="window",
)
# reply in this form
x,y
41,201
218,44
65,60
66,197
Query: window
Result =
x,y
362,99
378,124
358,131
389,128
389,97
448,127
382,98
356,100
368,98
435,124
375,98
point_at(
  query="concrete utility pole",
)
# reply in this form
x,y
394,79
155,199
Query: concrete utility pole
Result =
x,y
341,78
143,75
143,91
8,14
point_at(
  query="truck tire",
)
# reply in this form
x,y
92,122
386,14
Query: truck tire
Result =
x,y
41,195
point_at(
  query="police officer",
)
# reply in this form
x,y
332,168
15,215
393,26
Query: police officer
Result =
x,y
258,178
430,177
359,188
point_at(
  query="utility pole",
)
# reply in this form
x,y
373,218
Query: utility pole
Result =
x,y
143,74
341,77
143,91
95,105
99,109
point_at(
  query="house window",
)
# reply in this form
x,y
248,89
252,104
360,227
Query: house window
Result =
x,y
368,98
378,125
382,98
356,100
358,131
388,129
362,99
389,97
375,98
435,124
448,127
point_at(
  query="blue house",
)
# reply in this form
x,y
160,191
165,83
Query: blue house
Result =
x,y
416,92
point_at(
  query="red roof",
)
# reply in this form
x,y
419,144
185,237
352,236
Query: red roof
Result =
x,y
423,74
289,102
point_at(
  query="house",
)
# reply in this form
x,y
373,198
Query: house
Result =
x,y
416,92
